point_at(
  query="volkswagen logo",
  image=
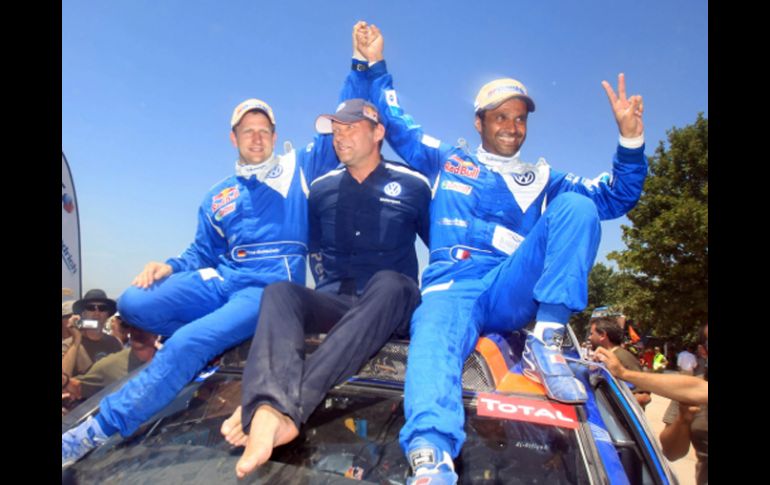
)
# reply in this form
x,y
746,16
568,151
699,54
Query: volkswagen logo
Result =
x,y
275,172
524,178
393,189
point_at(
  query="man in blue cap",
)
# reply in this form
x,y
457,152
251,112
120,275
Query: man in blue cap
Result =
x,y
364,218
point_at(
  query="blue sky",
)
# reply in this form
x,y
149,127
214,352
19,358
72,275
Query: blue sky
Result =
x,y
148,88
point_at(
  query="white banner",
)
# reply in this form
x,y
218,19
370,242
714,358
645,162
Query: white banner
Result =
x,y
71,272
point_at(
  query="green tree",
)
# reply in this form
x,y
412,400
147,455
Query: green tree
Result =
x,y
664,270
602,291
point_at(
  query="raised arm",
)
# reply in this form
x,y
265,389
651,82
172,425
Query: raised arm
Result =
x,y
617,193
678,387
69,358
318,157
407,138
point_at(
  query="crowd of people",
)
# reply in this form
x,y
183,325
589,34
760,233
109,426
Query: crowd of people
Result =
x,y
511,242
98,347
686,417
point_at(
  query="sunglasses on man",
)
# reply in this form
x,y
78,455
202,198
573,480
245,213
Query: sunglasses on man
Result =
x,y
93,307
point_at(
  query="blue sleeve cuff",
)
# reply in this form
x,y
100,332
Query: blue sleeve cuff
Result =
x,y
174,264
378,69
359,65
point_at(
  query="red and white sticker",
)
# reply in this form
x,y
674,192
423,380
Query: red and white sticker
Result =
x,y
530,410
558,359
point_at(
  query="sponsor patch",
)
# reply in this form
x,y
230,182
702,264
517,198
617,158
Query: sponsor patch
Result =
x,y
506,240
393,189
316,264
446,221
247,252
508,88
461,254
224,211
429,141
391,98
464,168
558,359
275,172
456,187
603,178
209,273
524,179
389,201
529,410
225,197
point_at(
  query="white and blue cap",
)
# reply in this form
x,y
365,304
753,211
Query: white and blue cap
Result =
x,y
251,104
348,112
496,92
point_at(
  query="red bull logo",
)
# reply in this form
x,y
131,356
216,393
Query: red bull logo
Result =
x,y
462,167
225,197
224,211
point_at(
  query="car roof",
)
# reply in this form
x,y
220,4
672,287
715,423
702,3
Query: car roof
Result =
x,y
332,444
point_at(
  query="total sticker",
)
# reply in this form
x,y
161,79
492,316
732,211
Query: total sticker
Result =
x,y
530,410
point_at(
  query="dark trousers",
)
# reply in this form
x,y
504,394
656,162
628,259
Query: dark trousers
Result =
x,y
277,371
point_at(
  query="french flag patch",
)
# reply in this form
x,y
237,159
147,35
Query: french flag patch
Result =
x,y
461,254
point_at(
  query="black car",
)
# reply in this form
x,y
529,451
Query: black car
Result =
x,y
515,434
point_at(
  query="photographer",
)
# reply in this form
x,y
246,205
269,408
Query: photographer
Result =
x,y
114,367
74,359
94,310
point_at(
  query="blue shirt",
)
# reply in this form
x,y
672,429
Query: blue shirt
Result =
x,y
358,229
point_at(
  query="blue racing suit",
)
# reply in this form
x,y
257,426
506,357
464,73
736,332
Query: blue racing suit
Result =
x,y
250,234
504,246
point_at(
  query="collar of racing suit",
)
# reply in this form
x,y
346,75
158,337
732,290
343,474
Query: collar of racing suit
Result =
x,y
260,170
511,168
500,164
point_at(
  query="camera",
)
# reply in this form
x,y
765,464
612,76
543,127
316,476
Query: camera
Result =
x,y
89,324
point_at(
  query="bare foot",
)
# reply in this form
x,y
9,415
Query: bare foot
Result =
x,y
232,430
269,429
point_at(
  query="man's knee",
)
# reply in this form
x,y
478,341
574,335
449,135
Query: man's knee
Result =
x,y
575,207
280,289
133,305
387,282
186,344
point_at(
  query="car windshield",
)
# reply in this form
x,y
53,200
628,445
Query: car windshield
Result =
x,y
352,435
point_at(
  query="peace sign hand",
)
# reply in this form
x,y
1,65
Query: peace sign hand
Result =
x,y
628,111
